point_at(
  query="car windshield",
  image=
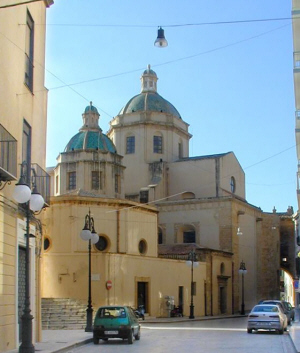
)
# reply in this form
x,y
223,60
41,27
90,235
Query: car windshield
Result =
x,y
287,305
111,312
265,308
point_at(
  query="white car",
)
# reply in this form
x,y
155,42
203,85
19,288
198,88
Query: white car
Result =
x,y
267,317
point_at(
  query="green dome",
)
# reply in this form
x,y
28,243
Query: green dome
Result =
x,y
90,140
91,108
149,72
149,101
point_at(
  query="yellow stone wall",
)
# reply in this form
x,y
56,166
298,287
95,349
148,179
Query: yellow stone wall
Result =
x,y
65,263
17,102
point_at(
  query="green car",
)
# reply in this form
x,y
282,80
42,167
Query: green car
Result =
x,y
116,322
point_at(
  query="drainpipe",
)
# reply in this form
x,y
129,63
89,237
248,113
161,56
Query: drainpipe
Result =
x,y
118,231
211,284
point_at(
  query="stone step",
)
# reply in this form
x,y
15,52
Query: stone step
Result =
x,y
63,313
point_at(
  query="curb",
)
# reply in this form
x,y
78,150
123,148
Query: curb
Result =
x,y
72,346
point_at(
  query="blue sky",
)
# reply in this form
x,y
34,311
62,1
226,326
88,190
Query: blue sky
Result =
x,y
233,82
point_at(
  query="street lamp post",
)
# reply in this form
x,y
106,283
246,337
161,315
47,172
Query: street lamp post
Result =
x,y
89,234
192,262
31,201
243,271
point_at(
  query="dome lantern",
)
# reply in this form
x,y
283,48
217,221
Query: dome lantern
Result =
x,y
149,80
90,118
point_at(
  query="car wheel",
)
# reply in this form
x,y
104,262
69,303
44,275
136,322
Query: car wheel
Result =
x,y
138,335
130,337
280,331
249,330
96,340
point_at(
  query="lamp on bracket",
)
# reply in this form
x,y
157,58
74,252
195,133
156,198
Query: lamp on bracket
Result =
x,y
31,202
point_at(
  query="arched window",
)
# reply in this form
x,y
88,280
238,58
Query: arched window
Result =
x,y
232,184
188,195
142,247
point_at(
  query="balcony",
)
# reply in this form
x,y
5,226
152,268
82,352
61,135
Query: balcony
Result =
x,y
8,156
42,182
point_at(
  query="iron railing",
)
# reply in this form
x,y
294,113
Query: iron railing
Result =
x,y
41,179
8,156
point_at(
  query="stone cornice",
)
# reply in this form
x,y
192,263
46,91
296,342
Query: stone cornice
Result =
x,y
100,201
157,123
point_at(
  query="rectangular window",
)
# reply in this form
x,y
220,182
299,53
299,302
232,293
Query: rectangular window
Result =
x,y
180,151
26,149
56,184
130,144
117,183
71,180
29,50
189,237
144,196
96,180
157,144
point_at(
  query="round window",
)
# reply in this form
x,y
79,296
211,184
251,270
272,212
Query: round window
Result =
x,y
142,247
46,243
102,243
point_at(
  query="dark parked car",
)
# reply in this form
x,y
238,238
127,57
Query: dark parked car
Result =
x,y
116,322
267,317
288,310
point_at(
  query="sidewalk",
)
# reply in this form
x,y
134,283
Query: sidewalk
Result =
x,y
59,341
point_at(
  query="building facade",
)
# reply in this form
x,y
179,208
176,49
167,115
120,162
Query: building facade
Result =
x,y
23,119
200,199
296,72
89,178
170,206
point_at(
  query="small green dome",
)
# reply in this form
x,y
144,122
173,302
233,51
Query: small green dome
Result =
x,y
149,71
91,108
149,101
90,140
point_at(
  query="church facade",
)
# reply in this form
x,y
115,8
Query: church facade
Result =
x,y
153,207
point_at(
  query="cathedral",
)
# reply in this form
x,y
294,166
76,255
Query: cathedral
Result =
x,y
171,228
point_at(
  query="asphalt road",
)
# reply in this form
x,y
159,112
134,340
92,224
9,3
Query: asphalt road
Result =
x,y
217,336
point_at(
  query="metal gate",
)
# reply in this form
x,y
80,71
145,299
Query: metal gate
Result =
x,y
21,287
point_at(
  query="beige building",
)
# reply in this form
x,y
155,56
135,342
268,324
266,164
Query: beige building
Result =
x,y
23,119
89,177
296,71
152,206
200,199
